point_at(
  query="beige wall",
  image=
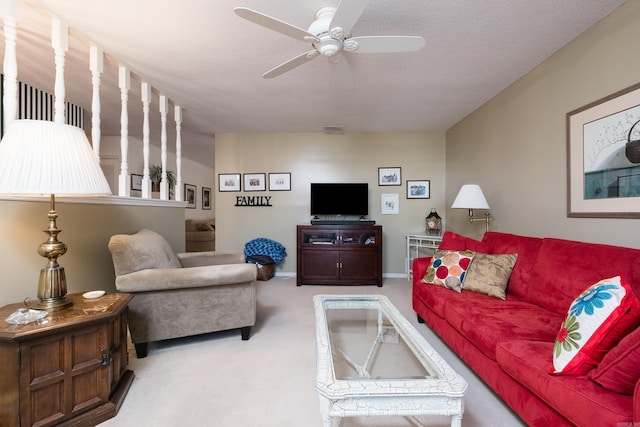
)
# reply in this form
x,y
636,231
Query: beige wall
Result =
x,y
317,157
515,145
86,231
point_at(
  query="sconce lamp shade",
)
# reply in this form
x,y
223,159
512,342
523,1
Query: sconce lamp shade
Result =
x,y
41,158
470,196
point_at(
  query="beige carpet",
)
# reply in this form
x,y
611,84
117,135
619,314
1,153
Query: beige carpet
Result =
x,y
219,380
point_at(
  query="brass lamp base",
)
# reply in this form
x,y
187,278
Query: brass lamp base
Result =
x,y
52,286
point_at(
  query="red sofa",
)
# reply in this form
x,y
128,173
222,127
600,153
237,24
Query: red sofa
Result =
x,y
509,343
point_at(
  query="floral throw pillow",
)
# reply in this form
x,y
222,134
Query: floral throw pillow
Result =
x,y
448,268
597,320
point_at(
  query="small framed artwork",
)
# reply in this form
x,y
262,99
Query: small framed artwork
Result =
x,y
418,189
190,195
390,204
389,176
229,182
206,198
255,182
280,182
603,151
136,182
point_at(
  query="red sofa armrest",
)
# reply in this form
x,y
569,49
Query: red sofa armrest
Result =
x,y
419,267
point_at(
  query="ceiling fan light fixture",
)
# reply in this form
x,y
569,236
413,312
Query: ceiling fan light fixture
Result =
x,y
329,47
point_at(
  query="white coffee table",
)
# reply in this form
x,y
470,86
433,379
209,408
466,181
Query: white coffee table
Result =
x,y
372,361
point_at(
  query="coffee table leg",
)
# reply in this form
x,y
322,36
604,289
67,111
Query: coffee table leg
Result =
x,y
456,421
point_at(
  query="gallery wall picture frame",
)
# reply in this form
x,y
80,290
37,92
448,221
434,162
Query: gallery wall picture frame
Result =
x,y
229,182
206,198
136,182
390,204
190,195
603,174
280,181
418,189
390,176
255,182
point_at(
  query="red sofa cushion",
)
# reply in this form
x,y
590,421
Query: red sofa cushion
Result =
x,y
619,370
527,249
457,242
578,398
485,321
565,268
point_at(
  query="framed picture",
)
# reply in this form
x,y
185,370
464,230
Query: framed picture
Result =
x,y
390,204
190,195
280,182
136,182
255,182
389,176
229,182
418,189
206,198
603,165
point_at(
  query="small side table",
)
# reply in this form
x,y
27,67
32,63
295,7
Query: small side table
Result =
x,y
415,243
69,368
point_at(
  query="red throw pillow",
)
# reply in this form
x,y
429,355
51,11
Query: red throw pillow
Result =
x,y
458,242
620,368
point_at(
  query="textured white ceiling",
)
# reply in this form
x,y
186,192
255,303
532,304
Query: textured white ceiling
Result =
x,y
208,60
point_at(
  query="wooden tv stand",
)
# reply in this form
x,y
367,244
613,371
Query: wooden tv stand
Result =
x,y
339,255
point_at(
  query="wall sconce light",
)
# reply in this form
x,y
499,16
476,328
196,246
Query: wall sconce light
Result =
x,y
45,158
471,197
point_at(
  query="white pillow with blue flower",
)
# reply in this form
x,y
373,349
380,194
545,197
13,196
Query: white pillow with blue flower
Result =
x,y
596,321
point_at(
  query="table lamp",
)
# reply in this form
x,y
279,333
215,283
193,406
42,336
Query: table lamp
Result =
x,y
471,197
40,158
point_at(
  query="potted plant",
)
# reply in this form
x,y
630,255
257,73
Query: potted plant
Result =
x,y
155,175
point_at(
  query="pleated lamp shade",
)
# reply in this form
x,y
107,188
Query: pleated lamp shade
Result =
x,y
41,158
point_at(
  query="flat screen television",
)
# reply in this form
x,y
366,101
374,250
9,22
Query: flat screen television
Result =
x,y
340,199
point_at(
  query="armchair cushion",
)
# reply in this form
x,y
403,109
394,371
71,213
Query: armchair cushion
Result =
x,y
144,250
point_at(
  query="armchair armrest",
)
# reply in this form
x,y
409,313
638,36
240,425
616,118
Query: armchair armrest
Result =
x,y
198,259
183,278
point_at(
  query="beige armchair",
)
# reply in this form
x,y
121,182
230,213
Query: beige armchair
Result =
x,y
178,295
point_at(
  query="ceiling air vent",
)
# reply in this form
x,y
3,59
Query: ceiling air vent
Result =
x,y
333,130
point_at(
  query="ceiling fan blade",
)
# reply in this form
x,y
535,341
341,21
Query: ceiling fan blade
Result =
x,y
384,44
291,64
347,14
275,24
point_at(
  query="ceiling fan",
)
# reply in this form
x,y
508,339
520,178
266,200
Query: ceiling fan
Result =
x,y
330,35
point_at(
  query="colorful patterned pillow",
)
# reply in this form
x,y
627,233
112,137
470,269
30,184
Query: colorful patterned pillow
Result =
x,y
619,370
448,268
489,274
597,320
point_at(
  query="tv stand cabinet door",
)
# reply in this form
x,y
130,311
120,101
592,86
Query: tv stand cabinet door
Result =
x,y
319,267
360,267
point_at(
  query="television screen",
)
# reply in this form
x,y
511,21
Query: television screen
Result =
x,y
339,199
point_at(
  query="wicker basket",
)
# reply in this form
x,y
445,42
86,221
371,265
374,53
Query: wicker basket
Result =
x,y
632,149
266,271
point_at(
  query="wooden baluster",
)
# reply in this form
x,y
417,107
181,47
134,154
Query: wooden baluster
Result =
x,y
178,117
60,44
124,81
145,89
10,11
164,187
96,61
